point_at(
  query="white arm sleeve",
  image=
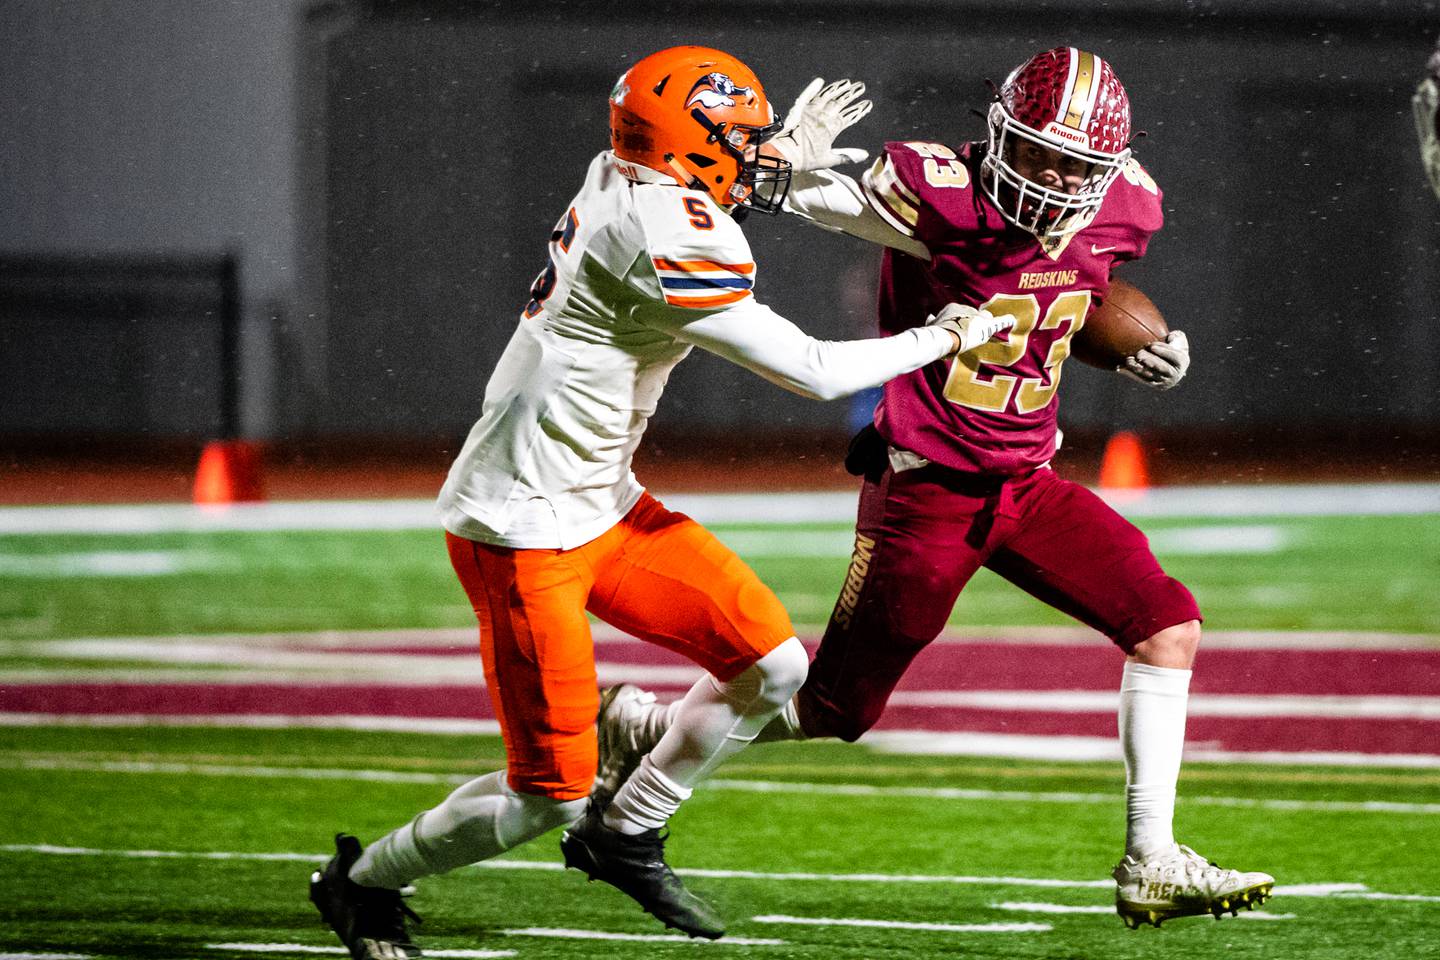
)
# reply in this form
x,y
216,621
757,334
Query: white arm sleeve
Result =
x,y
762,341
835,202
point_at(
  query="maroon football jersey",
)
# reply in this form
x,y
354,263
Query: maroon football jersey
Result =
x,y
991,410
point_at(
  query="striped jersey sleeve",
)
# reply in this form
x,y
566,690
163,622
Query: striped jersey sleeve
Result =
x,y
697,256
703,283
889,196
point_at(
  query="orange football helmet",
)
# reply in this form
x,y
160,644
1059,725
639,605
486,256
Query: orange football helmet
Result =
x,y
700,115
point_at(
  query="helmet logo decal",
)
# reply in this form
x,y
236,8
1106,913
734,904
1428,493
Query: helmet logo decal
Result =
x,y
1082,88
716,90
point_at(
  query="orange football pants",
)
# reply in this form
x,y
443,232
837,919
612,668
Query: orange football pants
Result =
x,y
657,575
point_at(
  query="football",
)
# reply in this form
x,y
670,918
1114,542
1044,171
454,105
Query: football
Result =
x,y
1119,325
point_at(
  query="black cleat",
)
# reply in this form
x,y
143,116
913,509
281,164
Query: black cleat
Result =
x,y
635,865
370,921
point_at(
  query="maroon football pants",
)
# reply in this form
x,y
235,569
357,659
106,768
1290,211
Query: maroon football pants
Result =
x,y
920,537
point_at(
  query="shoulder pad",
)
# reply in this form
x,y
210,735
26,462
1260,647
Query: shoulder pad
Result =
x,y
698,253
912,175
1137,193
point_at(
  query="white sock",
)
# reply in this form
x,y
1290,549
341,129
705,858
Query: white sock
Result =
x,y
655,719
1152,735
646,801
713,721
479,820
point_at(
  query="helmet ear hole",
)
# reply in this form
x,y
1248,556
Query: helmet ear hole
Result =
x,y
700,160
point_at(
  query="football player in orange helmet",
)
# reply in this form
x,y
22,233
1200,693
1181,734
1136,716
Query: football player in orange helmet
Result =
x,y
701,116
547,525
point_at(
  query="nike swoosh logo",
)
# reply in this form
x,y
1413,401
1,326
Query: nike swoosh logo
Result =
x,y
1096,249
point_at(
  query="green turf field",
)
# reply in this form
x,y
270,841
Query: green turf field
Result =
x,y
187,795
174,840
1315,573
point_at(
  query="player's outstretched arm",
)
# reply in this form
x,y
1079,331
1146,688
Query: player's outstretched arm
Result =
x,y
831,200
1427,119
818,193
760,340
819,115
1162,364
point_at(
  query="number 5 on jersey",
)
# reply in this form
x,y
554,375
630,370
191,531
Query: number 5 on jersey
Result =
x,y
544,284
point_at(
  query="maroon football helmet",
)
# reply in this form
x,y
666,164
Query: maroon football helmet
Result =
x,y
1070,101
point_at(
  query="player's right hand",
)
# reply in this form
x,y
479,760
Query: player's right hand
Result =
x,y
971,327
807,137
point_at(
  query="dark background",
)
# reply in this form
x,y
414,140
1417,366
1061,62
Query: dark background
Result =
x,y
386,175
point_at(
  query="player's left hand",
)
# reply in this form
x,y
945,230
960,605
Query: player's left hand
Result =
x,y
807,138
1160,365
1427,119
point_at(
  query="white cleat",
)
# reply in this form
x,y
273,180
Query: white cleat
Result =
x,y
620,731
1181,883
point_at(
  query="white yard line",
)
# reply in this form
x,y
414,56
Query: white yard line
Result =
x,y
1200,704
1025,796
338,951
906,925
107,563
851,790
1106,749
562,933
269,665
904,742
453,639
787,508
1104,909
1018,907
438,725
1350,890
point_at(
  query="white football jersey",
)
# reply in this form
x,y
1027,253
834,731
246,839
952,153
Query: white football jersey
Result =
x,y
640,270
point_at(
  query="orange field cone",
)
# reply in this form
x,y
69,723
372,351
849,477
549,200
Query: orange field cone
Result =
x,y
229,472
1123,467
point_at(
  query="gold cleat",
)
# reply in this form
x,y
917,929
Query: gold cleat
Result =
x,y
1181,883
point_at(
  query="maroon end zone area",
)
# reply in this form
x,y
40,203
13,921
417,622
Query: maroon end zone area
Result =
x,y
946,666
1288,734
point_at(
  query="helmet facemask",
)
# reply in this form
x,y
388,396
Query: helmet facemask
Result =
x,y
1044,211
1066,101
762,181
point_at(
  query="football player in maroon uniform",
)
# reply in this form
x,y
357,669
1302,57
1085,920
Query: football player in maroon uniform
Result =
x,y
1029,224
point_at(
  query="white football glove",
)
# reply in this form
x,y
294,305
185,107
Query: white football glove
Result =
x,y
972,326
818,116
1160,365
1427,119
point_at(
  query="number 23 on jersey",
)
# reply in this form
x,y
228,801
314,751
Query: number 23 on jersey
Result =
x,y
971,384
